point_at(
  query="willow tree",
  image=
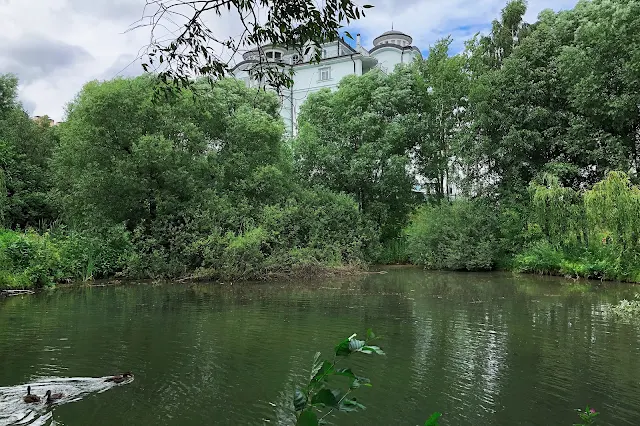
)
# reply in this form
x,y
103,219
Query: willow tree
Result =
x,y
613,209
558,211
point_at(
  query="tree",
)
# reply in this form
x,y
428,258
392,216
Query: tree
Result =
x,y
124,158
505,35
444,84
297,24
25,149
601,70
354,141
542,109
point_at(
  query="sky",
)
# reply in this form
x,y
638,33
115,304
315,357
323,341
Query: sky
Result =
x,y
56,46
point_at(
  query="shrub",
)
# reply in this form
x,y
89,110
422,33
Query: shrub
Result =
x,y
28,259
459,235
540,258
94,254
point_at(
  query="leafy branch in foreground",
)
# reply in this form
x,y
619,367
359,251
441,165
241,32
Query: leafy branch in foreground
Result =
x,y
318,399
187,51
587,416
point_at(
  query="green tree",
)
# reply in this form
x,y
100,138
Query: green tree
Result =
x,y
444,84
124,158
26,147
600,69
353,141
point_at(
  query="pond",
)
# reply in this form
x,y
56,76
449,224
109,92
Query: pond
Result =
x,y
484,349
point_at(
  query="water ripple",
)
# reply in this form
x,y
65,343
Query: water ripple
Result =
x,y
14,411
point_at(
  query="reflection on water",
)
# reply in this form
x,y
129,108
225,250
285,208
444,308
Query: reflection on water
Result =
x,y
489,349
13,410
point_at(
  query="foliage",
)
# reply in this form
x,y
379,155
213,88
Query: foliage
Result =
x,y
394,252
298,24
591,234
540,258
459,235
321,396
352,141
317,395
204,185
587,416
628,308
29,259
25,148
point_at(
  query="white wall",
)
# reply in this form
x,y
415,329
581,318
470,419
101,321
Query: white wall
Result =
x,y
389,57
306,80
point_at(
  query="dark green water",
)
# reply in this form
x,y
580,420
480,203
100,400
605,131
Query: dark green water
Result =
x,y
485,349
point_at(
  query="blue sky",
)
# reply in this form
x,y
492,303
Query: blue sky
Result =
x,y
56,46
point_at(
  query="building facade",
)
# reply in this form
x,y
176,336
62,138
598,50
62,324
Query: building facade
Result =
x,y
339,59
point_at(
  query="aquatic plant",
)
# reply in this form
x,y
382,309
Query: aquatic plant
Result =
x,y
318,399
587,416
628,308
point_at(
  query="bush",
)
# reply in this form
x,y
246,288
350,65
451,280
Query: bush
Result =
x,y
97,254
394,251
588,234
28,259
541,258
459,235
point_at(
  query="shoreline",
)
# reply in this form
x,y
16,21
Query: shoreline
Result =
x,y
314,272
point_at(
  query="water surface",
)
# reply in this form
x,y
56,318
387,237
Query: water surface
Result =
x,y
485,349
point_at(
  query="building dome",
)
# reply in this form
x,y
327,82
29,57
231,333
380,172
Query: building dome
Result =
x,y
393,37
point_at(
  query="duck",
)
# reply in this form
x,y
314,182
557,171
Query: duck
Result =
x,y
51,397
29,397
119,378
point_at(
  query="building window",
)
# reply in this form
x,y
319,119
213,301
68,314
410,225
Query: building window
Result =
x,y
278,55
324,53
295,59
325,73
270,55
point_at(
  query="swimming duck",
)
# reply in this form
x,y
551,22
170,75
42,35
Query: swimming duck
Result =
x,y
119,378
51,397
29,398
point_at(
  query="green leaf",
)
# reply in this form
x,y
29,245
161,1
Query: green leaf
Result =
x,y
355,345
307,418
348,35
433,420
367,6
349,405
317,365
326,397
346,372
342,349
370,335
372,349
360,381
299,400
326,368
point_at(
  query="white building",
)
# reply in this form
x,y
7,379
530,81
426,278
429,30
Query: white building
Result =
x,y
338,60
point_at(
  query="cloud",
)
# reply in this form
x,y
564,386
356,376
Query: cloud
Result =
x,y
118,10
28,106
56,46
34,56
125,65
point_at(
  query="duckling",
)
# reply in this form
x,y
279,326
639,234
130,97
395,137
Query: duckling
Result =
x,y
51,397
119,378
29,398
